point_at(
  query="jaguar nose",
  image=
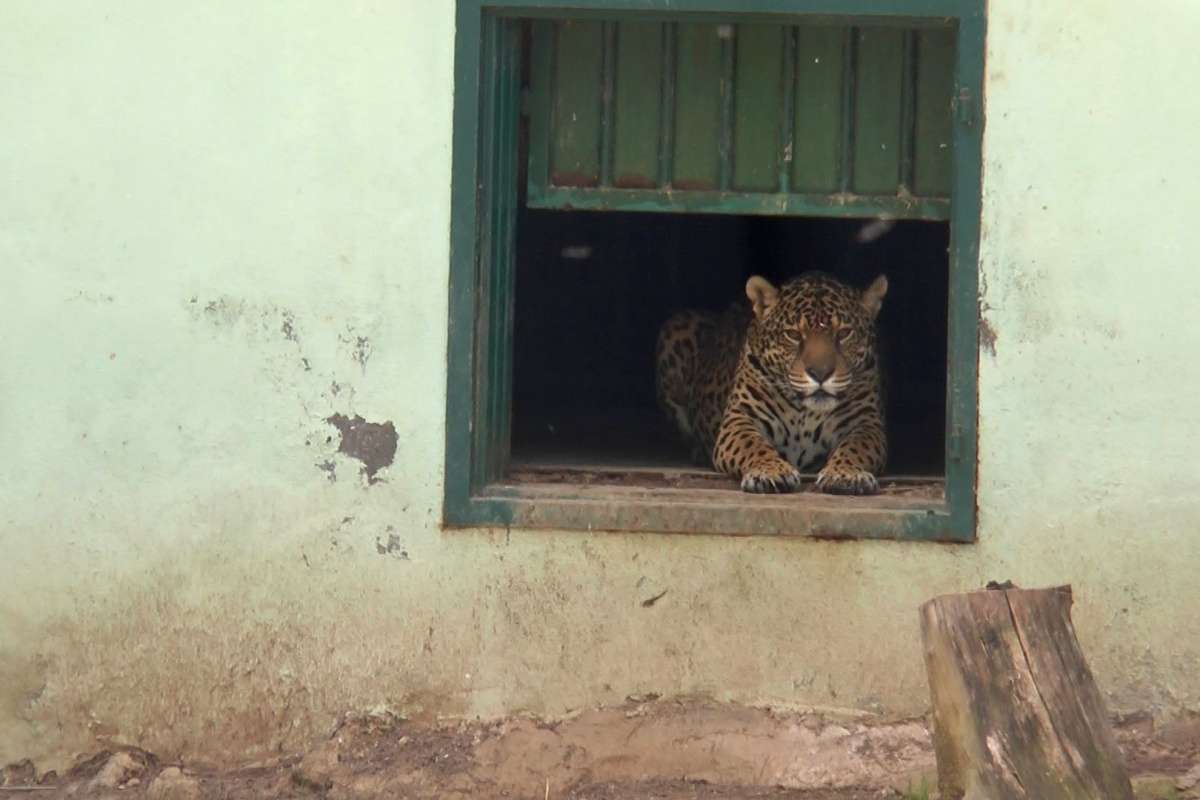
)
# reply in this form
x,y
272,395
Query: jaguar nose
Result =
x,y
819,374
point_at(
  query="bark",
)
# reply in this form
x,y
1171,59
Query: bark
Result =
x,y
1015,708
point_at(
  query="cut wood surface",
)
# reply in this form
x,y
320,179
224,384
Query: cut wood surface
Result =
x,y
1016,711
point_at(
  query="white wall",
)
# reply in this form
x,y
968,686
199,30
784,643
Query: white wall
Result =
x,y
184,184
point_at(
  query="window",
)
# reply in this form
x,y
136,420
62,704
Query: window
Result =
x,y
613,160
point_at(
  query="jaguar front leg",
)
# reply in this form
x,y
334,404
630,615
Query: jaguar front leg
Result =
x,y
743,451
855,461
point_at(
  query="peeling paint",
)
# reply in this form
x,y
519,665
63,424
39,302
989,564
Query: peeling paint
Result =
x,y
360,347
329,468
362,351
392,547
99,298
288,327
372,443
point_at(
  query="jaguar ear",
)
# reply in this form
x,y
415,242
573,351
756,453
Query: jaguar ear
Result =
x,y
872,298
762,294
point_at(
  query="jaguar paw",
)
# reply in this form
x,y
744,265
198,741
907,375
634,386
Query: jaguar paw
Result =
x,y
843,480
771,479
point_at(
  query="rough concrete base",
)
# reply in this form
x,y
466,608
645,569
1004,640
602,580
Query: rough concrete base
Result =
x,y
664,749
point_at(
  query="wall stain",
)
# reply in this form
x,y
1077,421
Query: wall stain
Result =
x,y
391,547
288,327
329,468
987,336
372,443
362,351
92,297
360,347
650,601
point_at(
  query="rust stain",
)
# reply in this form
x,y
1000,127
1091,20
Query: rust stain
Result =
x,y
634,182
987,336
577,179
692,185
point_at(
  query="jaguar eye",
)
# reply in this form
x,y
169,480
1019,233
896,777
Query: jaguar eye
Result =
x,y
845,334
792,335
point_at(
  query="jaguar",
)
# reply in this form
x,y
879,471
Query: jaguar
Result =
x,y
781,383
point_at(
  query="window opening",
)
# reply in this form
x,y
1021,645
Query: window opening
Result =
x,y
610,170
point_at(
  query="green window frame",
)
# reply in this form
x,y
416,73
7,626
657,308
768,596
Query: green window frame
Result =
x,y
484,192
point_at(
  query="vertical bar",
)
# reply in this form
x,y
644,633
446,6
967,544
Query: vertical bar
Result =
x,y
908,111
541,110
787,122
470,132
849,88
728,35
492,297
666,143
608,80
505,285
965,207
482,315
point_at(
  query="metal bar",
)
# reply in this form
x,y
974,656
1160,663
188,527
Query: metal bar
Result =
x,y
541,107
747,203
728,34
715,10
908,112
503,285
553,129
963,338
495,297
482,316
849,79
466,219
716,18
787,124
608,93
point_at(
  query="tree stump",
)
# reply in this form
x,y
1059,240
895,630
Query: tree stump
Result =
x,y
1016,712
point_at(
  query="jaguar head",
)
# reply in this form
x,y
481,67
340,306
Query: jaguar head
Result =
x,y
814,334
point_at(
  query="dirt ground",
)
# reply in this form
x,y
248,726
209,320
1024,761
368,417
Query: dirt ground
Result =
x,y
665,750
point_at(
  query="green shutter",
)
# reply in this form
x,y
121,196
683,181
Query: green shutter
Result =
x,y
816,119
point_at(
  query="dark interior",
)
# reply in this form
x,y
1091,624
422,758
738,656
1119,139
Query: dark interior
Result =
x,y
593,287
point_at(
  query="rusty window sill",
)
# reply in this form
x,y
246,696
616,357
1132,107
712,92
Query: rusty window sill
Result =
x,y
696,501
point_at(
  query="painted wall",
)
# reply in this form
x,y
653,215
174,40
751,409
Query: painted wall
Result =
x,y
223,223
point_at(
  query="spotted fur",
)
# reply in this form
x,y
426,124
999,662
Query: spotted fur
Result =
x,y
787,382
